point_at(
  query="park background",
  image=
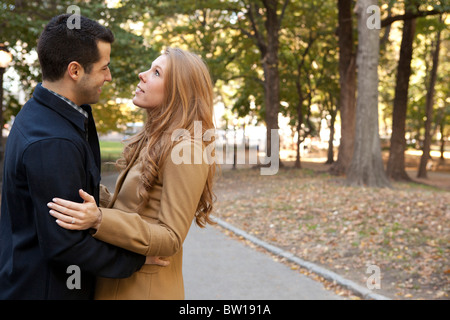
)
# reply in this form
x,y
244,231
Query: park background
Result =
x,y
360,99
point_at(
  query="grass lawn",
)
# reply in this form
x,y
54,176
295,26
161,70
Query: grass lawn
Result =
x,y
110,150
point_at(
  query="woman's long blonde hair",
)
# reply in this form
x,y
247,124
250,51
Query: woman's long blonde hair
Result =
x,y
188,98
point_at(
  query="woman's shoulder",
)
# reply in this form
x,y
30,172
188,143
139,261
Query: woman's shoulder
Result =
x,y
189,151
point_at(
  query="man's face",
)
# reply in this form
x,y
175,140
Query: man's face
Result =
x,y
89,87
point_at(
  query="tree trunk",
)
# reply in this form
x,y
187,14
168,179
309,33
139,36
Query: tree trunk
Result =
x,y
366,168
422,173
268,46
330,154
396,162
347,81
299,130
333,112
271,74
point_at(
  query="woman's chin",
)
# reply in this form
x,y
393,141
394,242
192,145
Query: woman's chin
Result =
x,y
140,104
137,103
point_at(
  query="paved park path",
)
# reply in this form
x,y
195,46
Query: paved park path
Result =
x,y
219,267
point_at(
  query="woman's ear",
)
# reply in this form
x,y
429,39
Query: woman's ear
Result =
x,y
75,70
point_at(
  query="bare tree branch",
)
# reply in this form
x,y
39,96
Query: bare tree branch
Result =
x,y
258,37
409,16
286,2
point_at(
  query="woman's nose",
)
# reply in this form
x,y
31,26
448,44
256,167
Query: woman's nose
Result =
x,y
142,76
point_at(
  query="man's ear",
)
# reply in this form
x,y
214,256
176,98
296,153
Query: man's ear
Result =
x,y
75,70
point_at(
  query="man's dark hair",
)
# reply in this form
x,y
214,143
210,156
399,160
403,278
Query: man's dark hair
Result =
x,y
59,45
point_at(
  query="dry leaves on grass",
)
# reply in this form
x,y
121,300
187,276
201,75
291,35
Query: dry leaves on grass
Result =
x,y
404,230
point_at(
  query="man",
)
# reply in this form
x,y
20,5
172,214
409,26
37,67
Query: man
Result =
x,y
53,151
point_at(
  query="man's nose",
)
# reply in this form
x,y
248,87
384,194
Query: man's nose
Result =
x,y
108,76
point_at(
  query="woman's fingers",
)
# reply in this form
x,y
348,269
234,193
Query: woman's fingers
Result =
x,y
69,226
76,216
156,260
64,209
86,196
61,203
61,217
65,221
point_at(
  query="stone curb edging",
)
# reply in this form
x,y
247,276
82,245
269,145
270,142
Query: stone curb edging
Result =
x,y
327,274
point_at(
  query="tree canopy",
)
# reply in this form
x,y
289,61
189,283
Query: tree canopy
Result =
x,y
266,57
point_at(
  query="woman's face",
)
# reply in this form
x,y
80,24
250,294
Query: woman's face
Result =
x,y
150,90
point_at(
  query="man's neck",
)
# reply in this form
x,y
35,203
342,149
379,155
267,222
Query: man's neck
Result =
x,y
60,88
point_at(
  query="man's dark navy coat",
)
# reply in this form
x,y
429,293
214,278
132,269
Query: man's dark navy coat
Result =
x,y
52,151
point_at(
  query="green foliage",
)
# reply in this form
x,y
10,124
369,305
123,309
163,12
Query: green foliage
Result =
x,y
221,32
21,23
309,63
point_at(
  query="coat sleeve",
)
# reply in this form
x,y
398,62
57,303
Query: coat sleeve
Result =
x,y
56,168
182,187
105,196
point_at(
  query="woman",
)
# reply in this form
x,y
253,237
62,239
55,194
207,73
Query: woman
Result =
x,y
156,196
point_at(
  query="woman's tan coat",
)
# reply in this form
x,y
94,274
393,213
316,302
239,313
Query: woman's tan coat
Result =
x,y
158,231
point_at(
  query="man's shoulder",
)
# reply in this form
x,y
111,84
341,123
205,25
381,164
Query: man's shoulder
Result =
x,y
36,119
34,108
37,125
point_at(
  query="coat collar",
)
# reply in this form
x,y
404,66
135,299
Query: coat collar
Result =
x,y
61,107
